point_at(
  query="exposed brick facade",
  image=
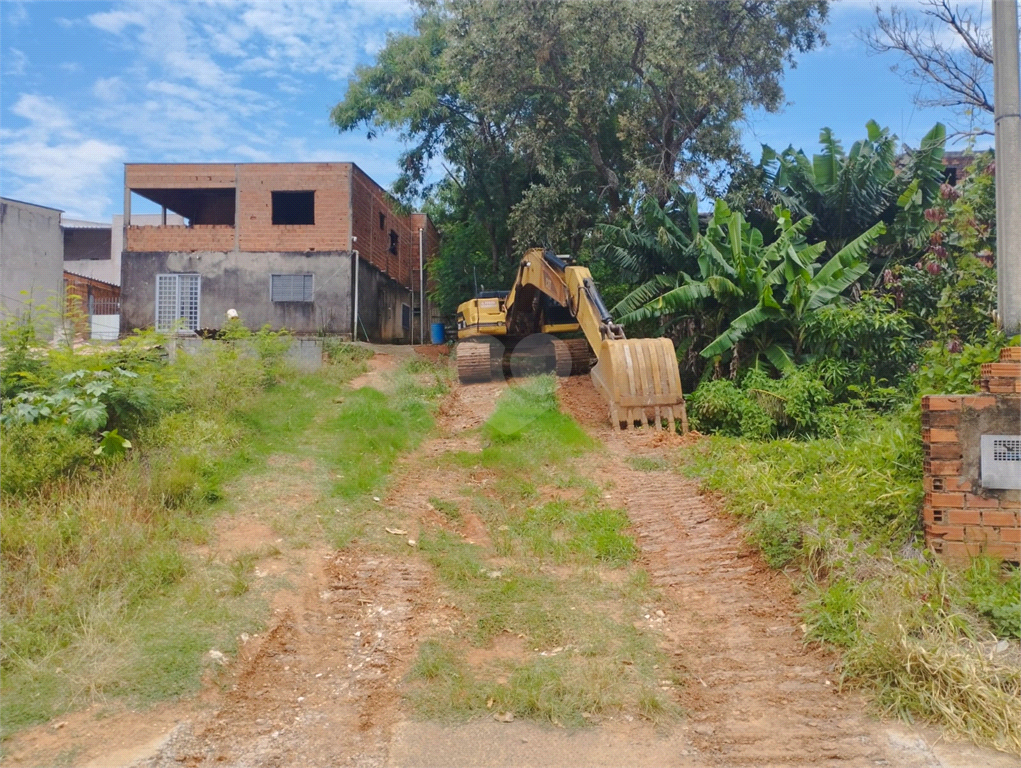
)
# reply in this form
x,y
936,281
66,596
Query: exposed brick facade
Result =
x,y
347,202
234,245
960,517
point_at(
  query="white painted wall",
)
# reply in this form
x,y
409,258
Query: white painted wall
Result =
x,y
109,270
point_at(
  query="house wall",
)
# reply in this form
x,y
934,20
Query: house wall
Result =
x,y
368,201
241,280
348,204
380,300
31,255
255,183
961,518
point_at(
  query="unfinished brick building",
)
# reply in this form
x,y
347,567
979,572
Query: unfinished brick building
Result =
x,y
288,244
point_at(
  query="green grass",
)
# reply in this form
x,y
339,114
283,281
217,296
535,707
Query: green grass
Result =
x,y
371,433
845,513
101,595
648,463
579,660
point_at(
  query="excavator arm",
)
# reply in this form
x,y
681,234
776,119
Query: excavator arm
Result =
x,y
638,377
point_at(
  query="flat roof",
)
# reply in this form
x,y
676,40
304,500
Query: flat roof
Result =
x,y
36,205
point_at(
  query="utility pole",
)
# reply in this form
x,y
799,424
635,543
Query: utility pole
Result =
x,y
1007,105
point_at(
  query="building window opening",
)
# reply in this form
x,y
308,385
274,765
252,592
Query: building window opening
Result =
x,y
291,288
382,221
197,207
394,241
177,302
294,207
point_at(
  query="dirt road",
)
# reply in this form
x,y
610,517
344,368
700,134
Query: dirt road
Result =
x,y
324,684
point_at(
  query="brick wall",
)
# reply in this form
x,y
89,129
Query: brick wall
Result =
x,y
960,517
331,183
255,183
201,237
368,202
179,175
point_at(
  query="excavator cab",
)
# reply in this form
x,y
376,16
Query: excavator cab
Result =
x,y
639,378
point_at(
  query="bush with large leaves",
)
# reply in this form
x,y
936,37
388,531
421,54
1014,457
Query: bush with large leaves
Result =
x,y
846,193
756,297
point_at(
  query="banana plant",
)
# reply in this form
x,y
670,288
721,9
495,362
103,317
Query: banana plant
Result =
x,y
846,193
760,293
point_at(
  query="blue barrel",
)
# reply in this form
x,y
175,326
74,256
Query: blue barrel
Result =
x,y
438,334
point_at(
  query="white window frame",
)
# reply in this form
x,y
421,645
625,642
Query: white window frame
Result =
x,y
308,287
174,306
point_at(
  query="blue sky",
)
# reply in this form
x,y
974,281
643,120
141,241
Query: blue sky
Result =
x,y
86,87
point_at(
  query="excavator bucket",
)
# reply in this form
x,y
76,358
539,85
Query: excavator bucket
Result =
x,y
640,380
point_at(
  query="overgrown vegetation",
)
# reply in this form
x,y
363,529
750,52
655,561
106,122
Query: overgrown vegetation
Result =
x,y
843,510
566,659
103,594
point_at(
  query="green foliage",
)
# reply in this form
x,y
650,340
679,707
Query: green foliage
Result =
x,y
847,193
721,407
760,295
798,404
996,595
835,613
547,118
946,372
33,455
856,344
816,495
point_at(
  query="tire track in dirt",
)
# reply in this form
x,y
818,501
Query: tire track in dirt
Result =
x,y
320,686
756,694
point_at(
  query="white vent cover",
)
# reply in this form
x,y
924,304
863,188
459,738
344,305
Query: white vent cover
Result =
x,y
1001,461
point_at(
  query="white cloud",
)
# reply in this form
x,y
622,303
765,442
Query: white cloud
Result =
x,y
201,82
108,88
49,162
15,63
15,14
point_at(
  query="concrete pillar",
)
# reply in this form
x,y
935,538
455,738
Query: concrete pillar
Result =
x,y
1007,100
127,211
237,212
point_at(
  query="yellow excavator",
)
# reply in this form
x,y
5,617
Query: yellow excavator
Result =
x,y
515,329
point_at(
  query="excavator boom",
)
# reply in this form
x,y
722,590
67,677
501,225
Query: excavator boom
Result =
x,y
638,378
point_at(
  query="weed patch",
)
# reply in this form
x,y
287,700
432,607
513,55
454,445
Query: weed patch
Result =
x,y
100,595
579,661
845,512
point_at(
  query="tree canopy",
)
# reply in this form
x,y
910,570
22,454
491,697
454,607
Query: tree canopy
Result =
x,y
547,117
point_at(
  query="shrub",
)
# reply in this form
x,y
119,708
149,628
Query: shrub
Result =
x,y
721,407
35,454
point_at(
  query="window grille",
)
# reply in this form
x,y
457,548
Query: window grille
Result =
x,y
177,302
291,288
405,317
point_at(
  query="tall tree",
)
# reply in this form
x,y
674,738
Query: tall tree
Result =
x,y
550,114
949,52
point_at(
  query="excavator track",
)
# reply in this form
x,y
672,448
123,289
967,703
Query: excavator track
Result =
x,y
573,357
473,363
